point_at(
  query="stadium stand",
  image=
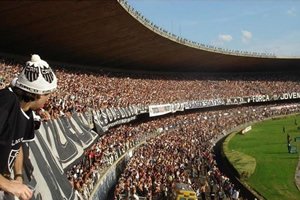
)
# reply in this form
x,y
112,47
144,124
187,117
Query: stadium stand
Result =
x,y
84,156
152,129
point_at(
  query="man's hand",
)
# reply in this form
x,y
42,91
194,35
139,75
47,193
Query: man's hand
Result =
x,y
20,190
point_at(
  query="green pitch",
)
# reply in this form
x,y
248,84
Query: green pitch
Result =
x,y
261,157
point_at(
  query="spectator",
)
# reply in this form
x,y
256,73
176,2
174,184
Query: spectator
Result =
x,y
31,91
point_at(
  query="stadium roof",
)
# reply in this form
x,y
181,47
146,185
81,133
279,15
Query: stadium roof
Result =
x,y
113,35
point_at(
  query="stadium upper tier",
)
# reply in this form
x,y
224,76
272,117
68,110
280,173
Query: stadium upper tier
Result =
x,y
112,34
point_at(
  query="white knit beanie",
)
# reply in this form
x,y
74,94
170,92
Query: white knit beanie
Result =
x,y
37,77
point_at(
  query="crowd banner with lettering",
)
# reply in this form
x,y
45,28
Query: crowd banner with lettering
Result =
x,y
59,143
177,107
48,178
156,110
81,131
274,97
291,95
236,101
123,113
261,98
141,109
87,119
204,103
100,122
195,104
109,117
118,122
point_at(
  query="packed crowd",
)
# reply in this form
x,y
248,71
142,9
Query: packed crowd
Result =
x,y
80,90
84,175
205,127
184,153
191,161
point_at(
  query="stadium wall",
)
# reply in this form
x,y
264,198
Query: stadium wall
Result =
x,y
110,178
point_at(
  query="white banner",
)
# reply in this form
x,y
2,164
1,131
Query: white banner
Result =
x,y
156,110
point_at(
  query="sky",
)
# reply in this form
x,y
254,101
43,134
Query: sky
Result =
x,y
263,26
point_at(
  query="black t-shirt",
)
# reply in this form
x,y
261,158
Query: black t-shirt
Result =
x,y
16,127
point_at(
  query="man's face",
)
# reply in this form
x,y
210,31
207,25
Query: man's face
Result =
x,y
38,104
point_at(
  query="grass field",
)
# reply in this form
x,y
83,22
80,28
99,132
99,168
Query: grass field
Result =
x,y
263,154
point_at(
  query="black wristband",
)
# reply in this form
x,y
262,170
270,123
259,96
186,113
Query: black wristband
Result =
x,y
18,175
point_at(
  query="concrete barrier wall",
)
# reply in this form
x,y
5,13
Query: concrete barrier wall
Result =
x,y
110,177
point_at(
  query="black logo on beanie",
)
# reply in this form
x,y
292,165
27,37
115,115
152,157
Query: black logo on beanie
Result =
x,y
47,74
31,72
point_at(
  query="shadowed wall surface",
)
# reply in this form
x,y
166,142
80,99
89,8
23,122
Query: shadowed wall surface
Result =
x,y
103,33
